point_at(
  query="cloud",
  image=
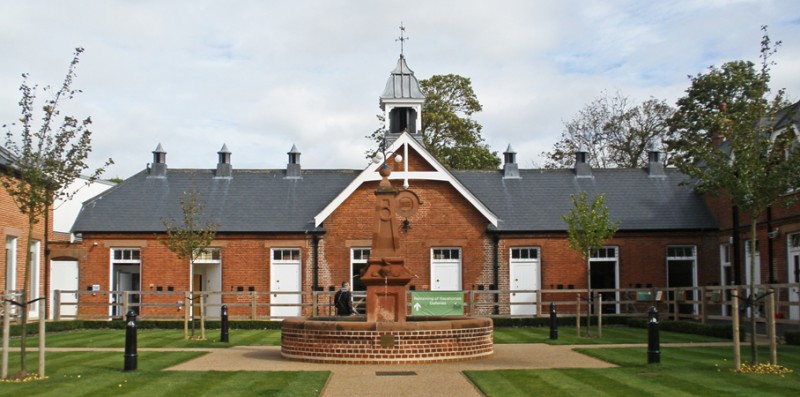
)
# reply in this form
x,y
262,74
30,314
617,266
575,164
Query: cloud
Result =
x,y
261,76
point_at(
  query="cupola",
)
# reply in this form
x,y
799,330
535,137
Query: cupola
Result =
x,y
510,168
402,100
582,168
224,166
293,169
159,166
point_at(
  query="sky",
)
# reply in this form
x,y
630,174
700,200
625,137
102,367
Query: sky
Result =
x,y
261,76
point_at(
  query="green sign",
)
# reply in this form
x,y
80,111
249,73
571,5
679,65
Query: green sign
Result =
x,y
437,303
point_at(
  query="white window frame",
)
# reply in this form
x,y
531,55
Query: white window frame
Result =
x,y
279,255
286,256
674,255
362,260
210,255
11,263
36,269
792,250
128,256
595,257
725,263
747,263
457,261
525,259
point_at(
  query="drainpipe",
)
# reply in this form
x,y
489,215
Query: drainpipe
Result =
x,y
769,247
315,253
737,271
46,306
496,241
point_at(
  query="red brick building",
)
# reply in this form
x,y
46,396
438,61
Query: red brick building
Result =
x,y
14,227
293,230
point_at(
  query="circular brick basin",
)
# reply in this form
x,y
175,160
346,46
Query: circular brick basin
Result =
x,y
432,340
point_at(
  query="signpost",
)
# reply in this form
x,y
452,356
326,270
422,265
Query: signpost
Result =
x,y
437,303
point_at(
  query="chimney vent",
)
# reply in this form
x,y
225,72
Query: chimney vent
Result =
x,y
293,169
655,168
159,166
224,167
510,168
582,168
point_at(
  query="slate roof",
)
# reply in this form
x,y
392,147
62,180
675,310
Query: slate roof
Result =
x,y
249,201
265,201
402,83
539,198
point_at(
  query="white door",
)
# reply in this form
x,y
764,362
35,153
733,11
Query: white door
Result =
x,y
793,273
446,277
64,277
524,276
285,277
446,269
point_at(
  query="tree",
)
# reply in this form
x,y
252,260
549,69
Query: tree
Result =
x,y
449,132
614,131
190,238
759,159
47,159
588,228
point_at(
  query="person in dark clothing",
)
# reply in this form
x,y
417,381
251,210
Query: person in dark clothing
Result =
x,y
343,300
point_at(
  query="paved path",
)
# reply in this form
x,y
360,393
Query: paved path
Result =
x,y
443,379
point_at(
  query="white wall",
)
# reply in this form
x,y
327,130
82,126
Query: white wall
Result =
x,y
65,212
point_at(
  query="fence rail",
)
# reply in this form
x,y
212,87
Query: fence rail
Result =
x,y
689,303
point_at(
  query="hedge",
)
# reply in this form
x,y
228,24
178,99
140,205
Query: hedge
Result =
x,y
792,337
723,331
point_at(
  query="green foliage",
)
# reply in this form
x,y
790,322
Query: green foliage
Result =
x,y
189,239
588,225
723,331
615,131
46,160
450,133
759,161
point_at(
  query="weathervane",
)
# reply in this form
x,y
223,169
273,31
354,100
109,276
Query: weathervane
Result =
x,y
402,38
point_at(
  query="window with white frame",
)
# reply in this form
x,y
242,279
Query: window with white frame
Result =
x,y
209,255
286,254
11,263
36,266
748,263
604,272
359,258
125,276
682,272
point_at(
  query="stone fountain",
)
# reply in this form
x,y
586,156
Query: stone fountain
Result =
x,y
387,336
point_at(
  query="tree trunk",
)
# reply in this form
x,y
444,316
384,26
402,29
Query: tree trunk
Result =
x,y
588,294
26,282
752,299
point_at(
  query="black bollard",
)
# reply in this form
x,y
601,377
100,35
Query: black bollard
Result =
x,y
130,341
553,325
653,342
223,335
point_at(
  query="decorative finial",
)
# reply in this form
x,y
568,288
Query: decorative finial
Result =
x,y
402,38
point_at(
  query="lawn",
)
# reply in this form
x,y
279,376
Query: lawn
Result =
x,y
100,374
692,371
611,335
154,338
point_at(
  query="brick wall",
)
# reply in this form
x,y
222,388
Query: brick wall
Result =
x,y
15,224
